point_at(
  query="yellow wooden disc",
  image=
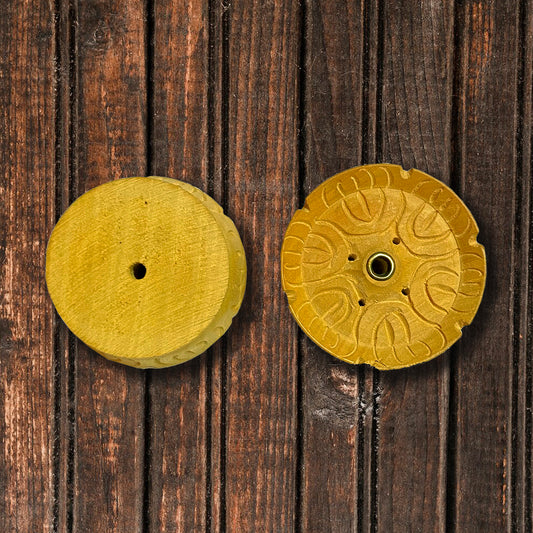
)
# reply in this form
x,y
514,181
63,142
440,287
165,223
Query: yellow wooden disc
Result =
x,y
148,272
382,266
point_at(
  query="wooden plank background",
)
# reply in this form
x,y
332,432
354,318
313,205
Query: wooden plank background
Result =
x,y
257,102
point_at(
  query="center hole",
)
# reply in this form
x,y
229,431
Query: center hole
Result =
x,y
138,270
380,266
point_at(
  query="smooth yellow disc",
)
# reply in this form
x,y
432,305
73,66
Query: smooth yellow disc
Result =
x,y
382,266
148,272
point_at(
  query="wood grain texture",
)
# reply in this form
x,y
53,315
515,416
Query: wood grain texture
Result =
x,y
337,399
486,164
110,143
218,91
179,399
415,131
262,182
423,81
445,87
27,151
521,383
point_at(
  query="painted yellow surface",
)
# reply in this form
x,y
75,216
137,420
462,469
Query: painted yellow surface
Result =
x,y
148,272
382,266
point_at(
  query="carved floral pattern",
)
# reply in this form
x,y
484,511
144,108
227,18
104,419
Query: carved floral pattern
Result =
x,y
440,267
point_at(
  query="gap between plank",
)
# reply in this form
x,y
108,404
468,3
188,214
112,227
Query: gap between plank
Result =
x,y
302,173
211,119
224,155
73,188
364,159
64,342
456,162
149,74
521,281
149,139
58,345
376,381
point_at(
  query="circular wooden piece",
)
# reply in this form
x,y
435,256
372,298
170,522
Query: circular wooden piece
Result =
x,y
148,272
335,270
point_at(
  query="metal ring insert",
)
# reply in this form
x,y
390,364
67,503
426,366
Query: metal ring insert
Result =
x,y
380,266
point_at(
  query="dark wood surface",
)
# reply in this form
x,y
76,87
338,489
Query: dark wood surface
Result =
x,y
257,102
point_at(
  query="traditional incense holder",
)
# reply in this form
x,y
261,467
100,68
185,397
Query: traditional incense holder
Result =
x,y
148,272
382,266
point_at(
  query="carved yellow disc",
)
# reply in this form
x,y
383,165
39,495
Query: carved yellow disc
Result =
x,y
382,266
148,272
